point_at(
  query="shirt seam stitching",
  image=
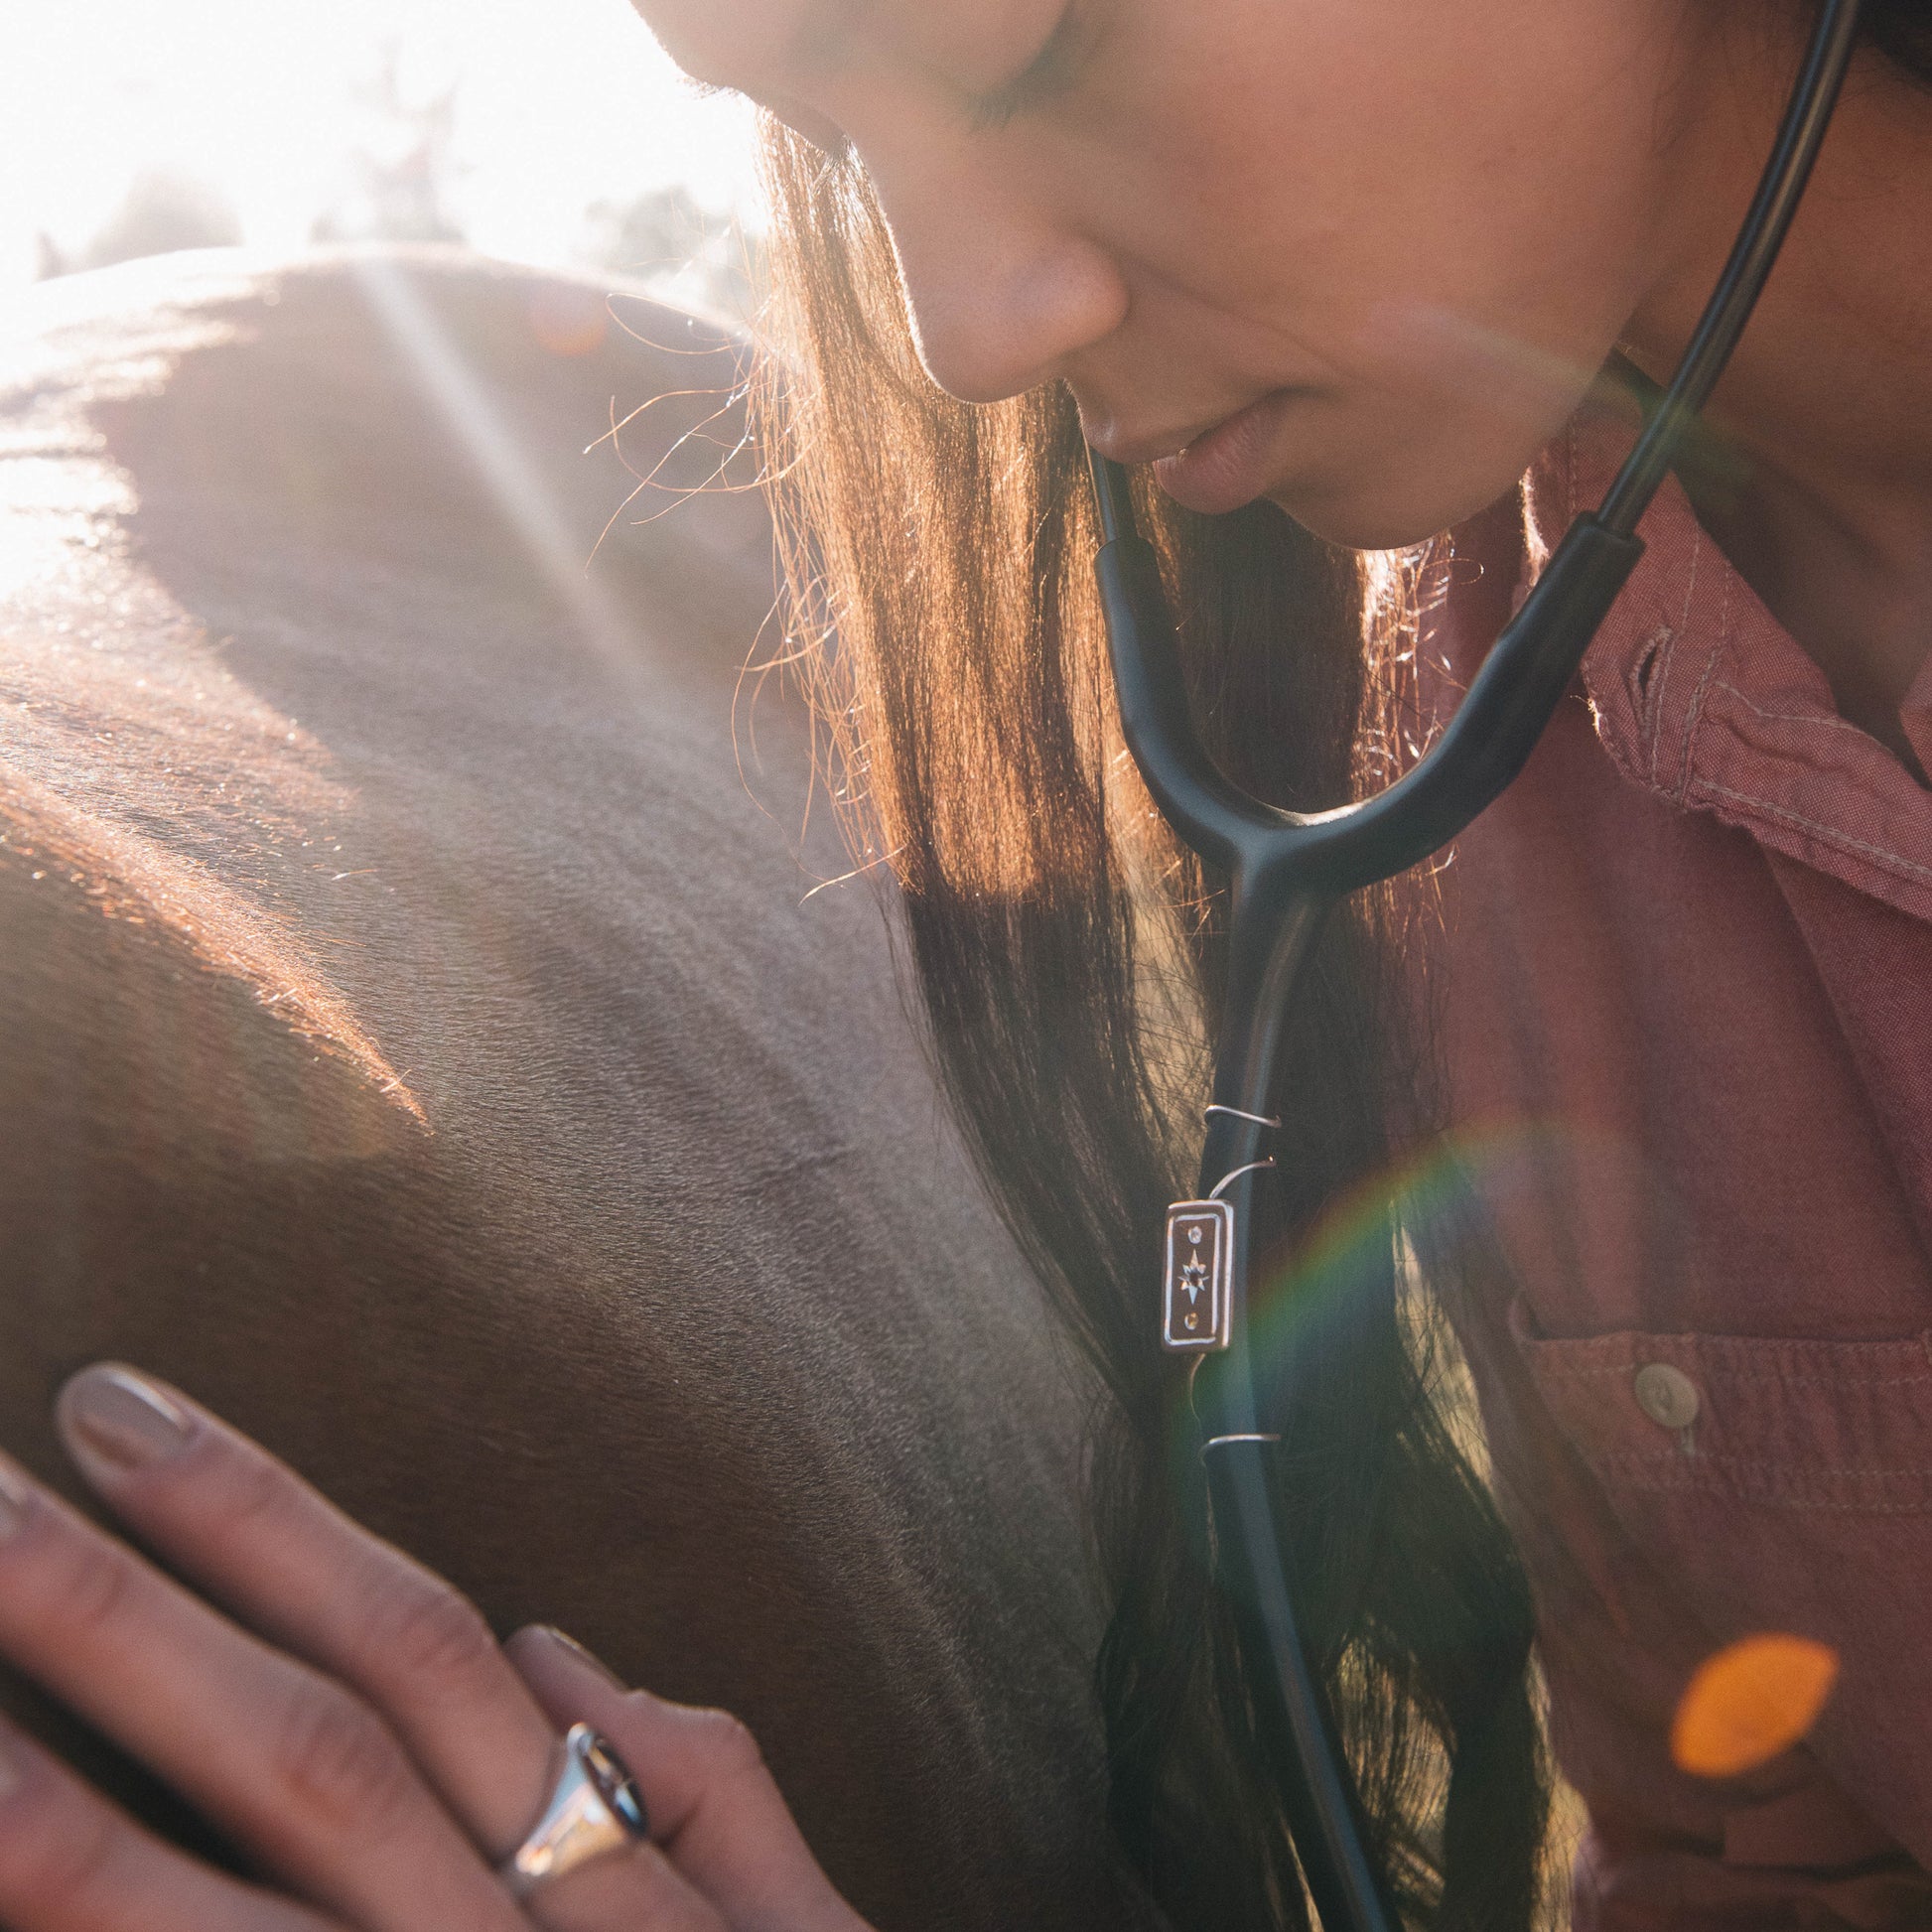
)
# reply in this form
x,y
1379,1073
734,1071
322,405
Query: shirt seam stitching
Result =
x,y
1724,1375
1818,718
1825,834
1671,1458
1690,726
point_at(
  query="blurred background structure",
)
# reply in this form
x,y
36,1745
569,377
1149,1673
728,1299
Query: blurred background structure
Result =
x,y
546,131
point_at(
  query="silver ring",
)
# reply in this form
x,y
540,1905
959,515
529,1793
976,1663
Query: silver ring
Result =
x,y
1240,1112
593,1808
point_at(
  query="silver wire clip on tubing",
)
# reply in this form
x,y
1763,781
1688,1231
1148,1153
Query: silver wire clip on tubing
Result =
x,y
1228,1180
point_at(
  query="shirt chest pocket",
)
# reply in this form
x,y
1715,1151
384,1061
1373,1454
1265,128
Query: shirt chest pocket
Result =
x,y
1777,1485
1781,1427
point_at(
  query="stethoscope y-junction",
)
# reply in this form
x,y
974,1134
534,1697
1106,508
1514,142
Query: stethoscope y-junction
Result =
x,y
1288,869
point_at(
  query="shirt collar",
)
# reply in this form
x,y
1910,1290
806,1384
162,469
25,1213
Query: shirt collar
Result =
x,y
1701,696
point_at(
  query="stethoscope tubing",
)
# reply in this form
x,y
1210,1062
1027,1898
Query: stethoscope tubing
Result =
x,y
1288,870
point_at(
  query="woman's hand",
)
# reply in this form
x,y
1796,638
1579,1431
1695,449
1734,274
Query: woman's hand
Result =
x,y
350,1722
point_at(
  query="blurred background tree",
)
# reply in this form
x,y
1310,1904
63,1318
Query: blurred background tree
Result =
x,y
402,166
680,249
161,212
549,132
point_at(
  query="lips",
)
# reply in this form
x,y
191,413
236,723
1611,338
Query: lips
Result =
x,y
1230,465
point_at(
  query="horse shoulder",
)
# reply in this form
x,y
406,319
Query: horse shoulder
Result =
x,y
416,1041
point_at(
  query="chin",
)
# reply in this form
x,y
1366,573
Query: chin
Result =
x,y
1361,513
1391,470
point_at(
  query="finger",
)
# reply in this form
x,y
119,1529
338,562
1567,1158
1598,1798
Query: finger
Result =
x,y
639,1887
244,1527
285,1760
715,1807
69,1862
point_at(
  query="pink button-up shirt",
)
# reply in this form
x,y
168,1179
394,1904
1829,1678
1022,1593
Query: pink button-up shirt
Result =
x,y
1683,1004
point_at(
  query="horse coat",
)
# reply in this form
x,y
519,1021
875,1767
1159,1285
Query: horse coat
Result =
x,y
417,1039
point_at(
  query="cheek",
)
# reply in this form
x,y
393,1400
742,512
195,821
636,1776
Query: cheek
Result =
x,y
1300,161
1455,369
1441,399
1480,352
1451,239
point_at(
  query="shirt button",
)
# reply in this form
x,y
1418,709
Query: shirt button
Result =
x,y
1667,1395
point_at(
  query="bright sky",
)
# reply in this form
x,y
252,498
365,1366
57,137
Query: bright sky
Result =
x,y
560,103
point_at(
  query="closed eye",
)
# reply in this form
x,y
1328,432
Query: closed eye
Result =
x,y
1052,72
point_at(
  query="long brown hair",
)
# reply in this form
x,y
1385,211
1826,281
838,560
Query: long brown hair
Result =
x,y
1070,958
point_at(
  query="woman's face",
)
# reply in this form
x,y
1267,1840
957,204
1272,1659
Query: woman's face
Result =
x,y
1360,256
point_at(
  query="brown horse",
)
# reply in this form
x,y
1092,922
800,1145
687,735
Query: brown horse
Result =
x,y
416,1041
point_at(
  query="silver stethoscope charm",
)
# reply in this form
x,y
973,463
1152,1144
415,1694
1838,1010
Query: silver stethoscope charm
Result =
x,y
1197,1289
594,1809
1194,1298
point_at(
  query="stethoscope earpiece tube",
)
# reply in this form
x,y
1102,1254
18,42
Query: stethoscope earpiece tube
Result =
x,y
1272,852
1286,869
1153,698
1500,719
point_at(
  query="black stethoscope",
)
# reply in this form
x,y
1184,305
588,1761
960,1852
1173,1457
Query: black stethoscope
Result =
x,y
1289,868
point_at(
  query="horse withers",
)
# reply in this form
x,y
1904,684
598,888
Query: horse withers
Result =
x,y
420,1040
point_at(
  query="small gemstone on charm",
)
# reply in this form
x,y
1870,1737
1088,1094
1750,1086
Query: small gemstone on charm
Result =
x,y
1193,1235
1192,1320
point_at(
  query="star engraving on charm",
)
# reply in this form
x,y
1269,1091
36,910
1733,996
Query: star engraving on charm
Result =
x,y
1194,1274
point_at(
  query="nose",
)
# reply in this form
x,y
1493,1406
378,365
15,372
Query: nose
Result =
x,y
1004,293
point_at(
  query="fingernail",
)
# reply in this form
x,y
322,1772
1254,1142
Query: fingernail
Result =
x,y
123,1417
582,1656
15,1495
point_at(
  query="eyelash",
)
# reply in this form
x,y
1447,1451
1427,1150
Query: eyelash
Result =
x,y
1052,72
